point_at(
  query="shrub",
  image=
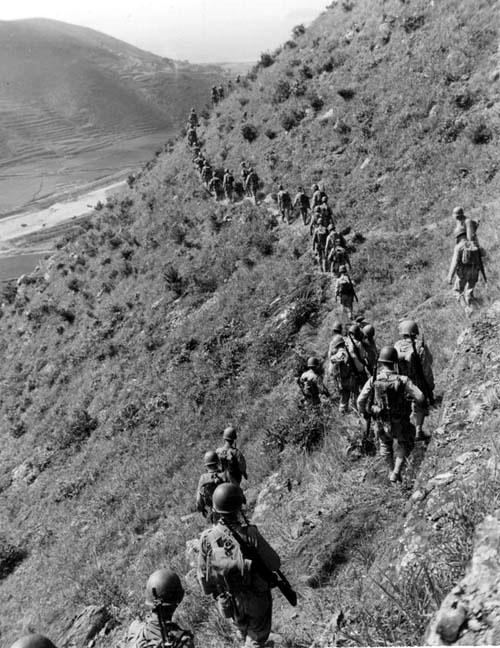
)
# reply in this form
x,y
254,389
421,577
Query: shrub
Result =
x,y
10,557
306,72
298,30
281,91
346,93
270,133
480,133
290,44
266,59
249,132
315,101
291,118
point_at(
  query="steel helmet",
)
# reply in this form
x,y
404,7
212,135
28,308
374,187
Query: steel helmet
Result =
x,y
388,355
229,433
337,327
211,458
227,499
408,327
164,586
337,341
369,331
33,641
315,187
312,362
342,268
458,212
356,331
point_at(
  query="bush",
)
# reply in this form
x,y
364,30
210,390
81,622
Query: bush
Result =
x,y
281,91
298,30
266,59
315,101
10,557
306,72
249,132
480,133
291,118
290,44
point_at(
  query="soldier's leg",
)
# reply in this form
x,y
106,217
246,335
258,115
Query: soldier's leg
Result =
x,y
385,445
418,414
402,448
345,395
459,288
259,610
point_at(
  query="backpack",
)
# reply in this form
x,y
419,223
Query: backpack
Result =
x,y
344,287
230,464
470,254
341,369
389,397
407,362
309,386
207,489
225,567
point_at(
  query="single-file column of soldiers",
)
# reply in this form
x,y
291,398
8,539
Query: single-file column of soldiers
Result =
x,y
391,390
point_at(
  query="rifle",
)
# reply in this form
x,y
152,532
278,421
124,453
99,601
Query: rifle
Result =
x,y
481,265
427,391
357,354
274,578
166,627
352,286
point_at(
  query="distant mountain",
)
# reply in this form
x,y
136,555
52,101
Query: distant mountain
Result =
x,y
65,89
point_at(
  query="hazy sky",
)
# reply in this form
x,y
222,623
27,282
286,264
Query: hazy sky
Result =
x,y
198,30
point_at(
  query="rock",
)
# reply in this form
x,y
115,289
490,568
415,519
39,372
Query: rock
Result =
x,y
474,625
326,116
450,622
84,627
442,479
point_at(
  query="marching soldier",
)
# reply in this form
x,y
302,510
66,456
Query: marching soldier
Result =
x,y
164,593
344,370
207,484
228,185
231,459
344,291
311,383
284,204
302,201
466,264
386,397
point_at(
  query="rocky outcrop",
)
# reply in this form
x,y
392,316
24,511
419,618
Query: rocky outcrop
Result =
x,y
455,493
470,614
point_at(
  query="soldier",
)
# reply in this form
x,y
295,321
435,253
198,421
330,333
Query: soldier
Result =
x,y
192,136
252,184
228,185
337,254
326,210
208,483
370,347
316,196
221,93
415,361
386,397
33,641
206,173
284,204
199,162
354,343
468,224
241,586
215,95
193,118
231,459
319,244
301,201
244,171
466,264
315,218
214,186
311,383
164,592
343,370
344,291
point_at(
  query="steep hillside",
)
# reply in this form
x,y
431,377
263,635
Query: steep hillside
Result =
x,y
75,104
169,315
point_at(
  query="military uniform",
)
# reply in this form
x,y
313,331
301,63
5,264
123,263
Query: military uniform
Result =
x,y
337,256
371,352
344,292
228,185
391,414
207,483
311,385
284,205
466,276
343,370
301,201
319,244
214,186
222,570
233,463
147,634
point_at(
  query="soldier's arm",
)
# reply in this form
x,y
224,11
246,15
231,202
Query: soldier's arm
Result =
x,y
201,570
364,396
453,265
413,392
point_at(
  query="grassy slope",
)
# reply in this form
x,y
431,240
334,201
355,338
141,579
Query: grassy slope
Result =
x,y
176,326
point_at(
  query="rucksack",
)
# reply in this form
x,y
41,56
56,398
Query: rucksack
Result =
x,y
229,462
321,236
470,254
345,286
341,368
389,397
225,567
309,385
207,490
408,364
